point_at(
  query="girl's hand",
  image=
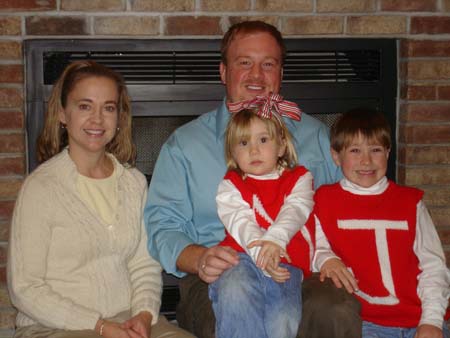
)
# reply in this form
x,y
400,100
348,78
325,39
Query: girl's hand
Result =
x,y
139,325
428,331
278,273
338,272
270,252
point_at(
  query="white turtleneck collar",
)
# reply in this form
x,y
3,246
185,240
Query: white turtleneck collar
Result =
x,y
376,189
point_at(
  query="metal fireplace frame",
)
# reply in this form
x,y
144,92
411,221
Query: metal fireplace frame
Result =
x,y
180,77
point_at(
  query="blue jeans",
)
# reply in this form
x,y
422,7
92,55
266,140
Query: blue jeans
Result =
x,y
247,303
370,330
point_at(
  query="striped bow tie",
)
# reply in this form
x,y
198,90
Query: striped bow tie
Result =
x,y
267,105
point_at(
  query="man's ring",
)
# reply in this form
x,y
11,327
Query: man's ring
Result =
x,y
203,266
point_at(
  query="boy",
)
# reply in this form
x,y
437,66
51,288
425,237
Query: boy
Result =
x,y
376,238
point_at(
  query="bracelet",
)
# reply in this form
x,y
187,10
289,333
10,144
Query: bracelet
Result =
x,y
101,328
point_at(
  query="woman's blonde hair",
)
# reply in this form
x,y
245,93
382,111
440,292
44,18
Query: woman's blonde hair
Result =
x,y
238,129
54,137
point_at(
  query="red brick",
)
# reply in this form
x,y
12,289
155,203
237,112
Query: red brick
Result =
x,y
425,112
418,92
3,254
11,120
9,188
11,73
12,166
418,176
190,25
408,5
12,143
10,50
430,25
425,134
10,98
443,92
27,5
2,278
437,196
4,297
424,154
52,25
440,216
10,26
6,210
421,48
444,235
7,317
4,235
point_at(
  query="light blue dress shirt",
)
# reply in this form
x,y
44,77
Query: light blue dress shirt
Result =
x,y
181,204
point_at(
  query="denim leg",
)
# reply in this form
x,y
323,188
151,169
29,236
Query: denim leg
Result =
x,y
283,305
370,330
238,301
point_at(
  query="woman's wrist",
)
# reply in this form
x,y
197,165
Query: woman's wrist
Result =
x,y
100,326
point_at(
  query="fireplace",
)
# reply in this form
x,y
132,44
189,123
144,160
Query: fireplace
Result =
x,y
172,81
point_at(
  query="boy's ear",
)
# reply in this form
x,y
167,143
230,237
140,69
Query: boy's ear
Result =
x,y
335,156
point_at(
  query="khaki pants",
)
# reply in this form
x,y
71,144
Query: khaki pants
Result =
x,y
162,329
327,312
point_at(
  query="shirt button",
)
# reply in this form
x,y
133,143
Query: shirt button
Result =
x,y
110,227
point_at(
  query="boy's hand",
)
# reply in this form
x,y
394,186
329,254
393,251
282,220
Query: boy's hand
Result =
x,y
428,331
269,252
278,273
338,272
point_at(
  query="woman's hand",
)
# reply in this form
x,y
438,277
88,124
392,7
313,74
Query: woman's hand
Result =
x,y
111,329
336,270
139,325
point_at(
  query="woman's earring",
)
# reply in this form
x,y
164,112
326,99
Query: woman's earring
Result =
x,y
62,125
118,128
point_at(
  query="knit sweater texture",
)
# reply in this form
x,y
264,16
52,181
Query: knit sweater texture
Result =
x,y
67,267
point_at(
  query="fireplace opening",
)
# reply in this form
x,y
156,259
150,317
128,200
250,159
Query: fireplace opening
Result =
x,y
173,81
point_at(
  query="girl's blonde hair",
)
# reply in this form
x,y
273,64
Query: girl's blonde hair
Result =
x,y
54,137
238,129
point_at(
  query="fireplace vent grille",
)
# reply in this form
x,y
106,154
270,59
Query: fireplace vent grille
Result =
x,y
184,67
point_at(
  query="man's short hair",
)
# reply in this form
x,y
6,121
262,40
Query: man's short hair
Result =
x,y
250,27
370,124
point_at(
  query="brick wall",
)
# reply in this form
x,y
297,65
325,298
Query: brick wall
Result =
x,y
422,26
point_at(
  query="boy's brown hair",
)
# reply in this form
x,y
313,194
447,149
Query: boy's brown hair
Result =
x,y
371,125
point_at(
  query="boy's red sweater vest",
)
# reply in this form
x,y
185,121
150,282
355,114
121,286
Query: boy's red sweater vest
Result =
x,y
271,194
374,236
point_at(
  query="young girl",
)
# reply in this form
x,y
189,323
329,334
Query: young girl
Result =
x,y
78,265
263,201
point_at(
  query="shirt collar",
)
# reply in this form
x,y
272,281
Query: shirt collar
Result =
x,y
376,189
222,118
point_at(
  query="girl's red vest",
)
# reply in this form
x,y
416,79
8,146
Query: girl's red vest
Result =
x,y
271,194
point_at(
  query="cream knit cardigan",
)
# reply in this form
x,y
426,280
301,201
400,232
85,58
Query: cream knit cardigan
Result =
x,y
66,266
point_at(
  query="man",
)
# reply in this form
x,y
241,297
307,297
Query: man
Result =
x,y
181,215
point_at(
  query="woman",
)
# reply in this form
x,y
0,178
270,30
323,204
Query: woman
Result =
x,y
78,264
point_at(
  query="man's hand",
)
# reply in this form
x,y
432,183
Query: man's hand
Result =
x,y
214,261
338,272
428,331
139,325
270,252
